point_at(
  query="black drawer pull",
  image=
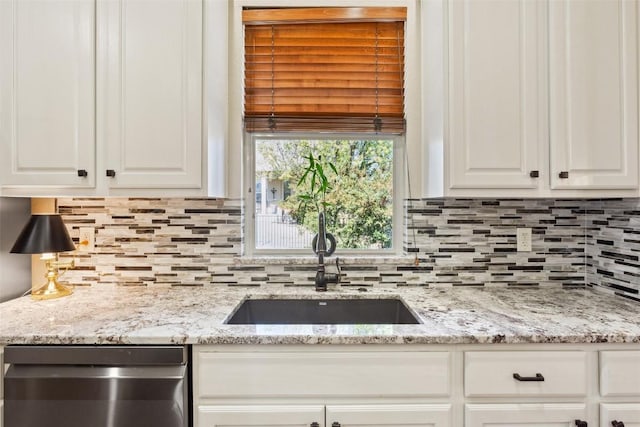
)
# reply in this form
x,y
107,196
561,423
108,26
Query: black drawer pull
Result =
x,y
335,424
315,424
615,423
82,173
563,175
111,173
534,174
580,423
538,377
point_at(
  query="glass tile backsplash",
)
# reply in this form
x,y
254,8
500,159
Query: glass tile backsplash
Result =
x,y
458,242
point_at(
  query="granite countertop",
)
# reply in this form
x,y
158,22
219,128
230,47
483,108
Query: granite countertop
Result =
x,y
138,315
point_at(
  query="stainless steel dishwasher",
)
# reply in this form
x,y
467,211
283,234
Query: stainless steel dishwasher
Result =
x,y
96,386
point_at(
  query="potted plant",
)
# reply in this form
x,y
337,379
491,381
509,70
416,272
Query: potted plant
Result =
x,y
318,186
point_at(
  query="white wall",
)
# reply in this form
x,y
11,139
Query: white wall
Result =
x,y
15,269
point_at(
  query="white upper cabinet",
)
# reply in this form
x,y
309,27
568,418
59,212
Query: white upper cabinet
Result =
x,y
150,91
593,94
494,94
542,98
47,98
103,98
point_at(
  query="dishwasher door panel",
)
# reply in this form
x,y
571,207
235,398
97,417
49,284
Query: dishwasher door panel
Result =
x,y
96,396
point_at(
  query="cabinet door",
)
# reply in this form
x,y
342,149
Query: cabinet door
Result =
x,y
626,413
531,415
260,416
389,415
47,91
149,87
495,105
594,94
620,374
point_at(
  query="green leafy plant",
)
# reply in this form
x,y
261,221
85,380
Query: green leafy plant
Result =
x,y
318,184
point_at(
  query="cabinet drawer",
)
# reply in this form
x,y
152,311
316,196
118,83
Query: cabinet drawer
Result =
x,y
524,414
491,373
259,415
317,374
627,413
620,373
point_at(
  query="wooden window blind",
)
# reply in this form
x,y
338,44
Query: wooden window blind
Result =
x,y
324,70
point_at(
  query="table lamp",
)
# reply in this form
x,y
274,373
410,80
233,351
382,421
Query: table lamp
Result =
x,y
46,235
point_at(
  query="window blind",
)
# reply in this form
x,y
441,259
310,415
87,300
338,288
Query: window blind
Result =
x,y
324,70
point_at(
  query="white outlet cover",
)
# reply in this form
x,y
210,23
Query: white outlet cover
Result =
x,y
523,239
87,234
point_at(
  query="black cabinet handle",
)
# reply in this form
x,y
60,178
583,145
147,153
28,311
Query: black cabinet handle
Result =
x,y
82,173
538,377
111,173
335,425
615,423
580,423
534,174
315,424
563,175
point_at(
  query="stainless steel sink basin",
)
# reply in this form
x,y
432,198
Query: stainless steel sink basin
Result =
x,y
322,312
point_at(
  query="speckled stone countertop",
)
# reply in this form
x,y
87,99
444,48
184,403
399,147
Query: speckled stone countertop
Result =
x,y
139,315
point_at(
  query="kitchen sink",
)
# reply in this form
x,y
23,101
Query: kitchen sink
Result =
x,y
322,312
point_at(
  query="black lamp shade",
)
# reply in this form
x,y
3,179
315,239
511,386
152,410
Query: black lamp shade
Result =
x,y
43,234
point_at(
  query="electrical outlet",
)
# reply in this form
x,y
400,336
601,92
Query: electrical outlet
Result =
x,y
523,238
87,239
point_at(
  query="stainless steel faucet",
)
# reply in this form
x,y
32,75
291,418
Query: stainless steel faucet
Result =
x,y
322,278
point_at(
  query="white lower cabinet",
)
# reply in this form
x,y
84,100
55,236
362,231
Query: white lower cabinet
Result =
x,y
620,414
260,415
315,374
315,415
620,374
525,414
525,373
508,376
388,415
516,385
333,386
620,383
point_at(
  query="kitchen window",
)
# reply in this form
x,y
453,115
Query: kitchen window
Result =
x,y
364,204
326,83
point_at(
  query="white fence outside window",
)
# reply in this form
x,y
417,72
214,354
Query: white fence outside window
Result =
x,y
278,231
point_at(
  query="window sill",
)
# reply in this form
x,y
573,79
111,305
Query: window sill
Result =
x,y
311,260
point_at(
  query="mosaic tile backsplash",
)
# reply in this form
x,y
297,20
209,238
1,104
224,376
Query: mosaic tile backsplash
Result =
x,y
458,242
613,246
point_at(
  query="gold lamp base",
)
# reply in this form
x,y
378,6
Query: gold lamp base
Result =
x,y
52,289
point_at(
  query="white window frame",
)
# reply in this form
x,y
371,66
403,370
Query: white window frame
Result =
x,y
399,173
